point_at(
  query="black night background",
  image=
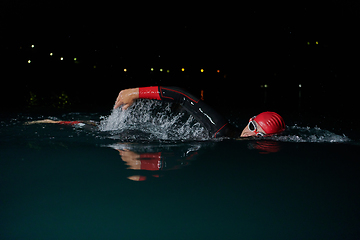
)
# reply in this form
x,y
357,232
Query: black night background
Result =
x,y
265,54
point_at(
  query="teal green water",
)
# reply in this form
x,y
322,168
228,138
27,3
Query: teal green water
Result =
x,y
62,182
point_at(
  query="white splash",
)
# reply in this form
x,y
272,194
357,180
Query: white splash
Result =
x,y
307,134
155,119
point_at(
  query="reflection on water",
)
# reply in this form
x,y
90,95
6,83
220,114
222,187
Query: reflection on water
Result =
x,y
265,146
151,160
61,181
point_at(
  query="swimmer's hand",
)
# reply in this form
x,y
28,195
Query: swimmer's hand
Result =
x,y
126,98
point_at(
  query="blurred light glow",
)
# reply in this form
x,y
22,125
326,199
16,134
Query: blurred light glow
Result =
x,y
125,70
308,43
51,54
151,69
32,46
300,85
161,69
183,69
218,71
29,61
168,71
316,42
201,70
75,59
61,58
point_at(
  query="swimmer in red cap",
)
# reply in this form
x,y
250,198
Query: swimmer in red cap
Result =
x,y
265,123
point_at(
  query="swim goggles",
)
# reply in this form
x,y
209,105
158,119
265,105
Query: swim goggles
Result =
x,y
252,127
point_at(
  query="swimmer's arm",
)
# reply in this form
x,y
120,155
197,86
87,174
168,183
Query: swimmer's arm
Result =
x,y
128,96
60,122
41,121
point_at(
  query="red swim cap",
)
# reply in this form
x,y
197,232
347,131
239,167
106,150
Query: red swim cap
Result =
x,y
270,122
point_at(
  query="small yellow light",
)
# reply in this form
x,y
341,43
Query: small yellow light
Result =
x,y
125,70
316,42
201,70
29,61
94,66
152,69
61,58
265,85
161,69
168,71
183,69
51,54
75,59
32,46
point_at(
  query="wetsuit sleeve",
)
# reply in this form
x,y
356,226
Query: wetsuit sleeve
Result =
x,y
207,116
149,93
88,125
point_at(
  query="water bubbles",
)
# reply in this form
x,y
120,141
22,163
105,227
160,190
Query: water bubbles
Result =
x,y
152,120
312,135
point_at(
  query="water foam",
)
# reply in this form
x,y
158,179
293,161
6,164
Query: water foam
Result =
x,y
307,134
153,120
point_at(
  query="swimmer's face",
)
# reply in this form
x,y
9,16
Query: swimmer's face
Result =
x,y
247,133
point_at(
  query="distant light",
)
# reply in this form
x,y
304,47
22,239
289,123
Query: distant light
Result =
x,y
94,66
61,58
299,85
125,70
51,54
316,42
161,69
32,46
218,71
201,70
152,69
308,43
183,69
168,71
265,85
75,59
29,61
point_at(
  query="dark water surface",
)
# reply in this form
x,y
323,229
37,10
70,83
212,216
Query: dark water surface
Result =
x,y
65,182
